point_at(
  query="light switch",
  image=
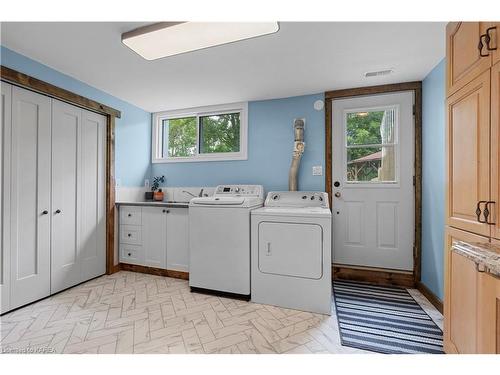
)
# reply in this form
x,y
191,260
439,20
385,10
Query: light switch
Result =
x,y
318,170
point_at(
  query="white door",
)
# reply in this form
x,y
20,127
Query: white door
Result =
x,y
373,192
29,197
177,239
65,257
154,234
93,193
6,118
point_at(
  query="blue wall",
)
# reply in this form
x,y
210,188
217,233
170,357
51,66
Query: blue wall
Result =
x,y
433,178
133,130
270,145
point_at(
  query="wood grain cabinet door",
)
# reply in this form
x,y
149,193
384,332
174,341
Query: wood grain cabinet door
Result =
x,y
488,314
494,33
468,155
464,59
495,150
460,302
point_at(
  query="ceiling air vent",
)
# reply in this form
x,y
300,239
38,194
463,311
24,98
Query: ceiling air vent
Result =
x,y
379,73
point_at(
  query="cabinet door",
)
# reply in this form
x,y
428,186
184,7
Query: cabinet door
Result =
x,y
65,257
464,62
488,314
494,33
154,233
92,195
177,239
6,118
30,197
495,149
468,154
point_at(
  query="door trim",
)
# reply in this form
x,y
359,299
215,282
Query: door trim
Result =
x,y
23,80
416,87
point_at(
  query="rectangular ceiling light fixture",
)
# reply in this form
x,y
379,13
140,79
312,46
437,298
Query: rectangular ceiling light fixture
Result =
x,y
172,38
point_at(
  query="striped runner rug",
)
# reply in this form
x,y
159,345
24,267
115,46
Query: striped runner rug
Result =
x,y
384,319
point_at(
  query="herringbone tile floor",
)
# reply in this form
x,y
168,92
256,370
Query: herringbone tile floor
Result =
x,y
131,312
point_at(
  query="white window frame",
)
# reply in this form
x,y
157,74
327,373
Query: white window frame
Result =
x,y
395,144
198,112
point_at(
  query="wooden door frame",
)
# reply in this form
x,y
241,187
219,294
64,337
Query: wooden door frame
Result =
x,y
381,276
25,81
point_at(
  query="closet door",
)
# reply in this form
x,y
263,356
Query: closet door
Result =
x,y
92,195
5,128
29,197
65,242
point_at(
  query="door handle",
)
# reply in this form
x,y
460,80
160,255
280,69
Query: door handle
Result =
x,y
268,249
480,45
479,212
487,38
337,194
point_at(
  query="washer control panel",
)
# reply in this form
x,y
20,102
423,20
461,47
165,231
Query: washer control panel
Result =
x,y
239,190
297,199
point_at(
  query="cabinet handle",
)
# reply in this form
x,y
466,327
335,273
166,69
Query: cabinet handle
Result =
x,y
166,211
487,213
479,212
45,212
129,235
58,211
480,268
487,39
129,215
129,254
481,45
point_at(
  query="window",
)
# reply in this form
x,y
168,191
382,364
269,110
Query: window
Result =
x,y
371,145
201,134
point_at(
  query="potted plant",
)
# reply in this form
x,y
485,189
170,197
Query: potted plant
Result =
x,y
158,194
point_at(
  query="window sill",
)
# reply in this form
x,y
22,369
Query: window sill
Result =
x,y
200,159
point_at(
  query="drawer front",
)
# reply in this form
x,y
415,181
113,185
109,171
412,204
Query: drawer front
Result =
x,y
131,254
131,234
130,215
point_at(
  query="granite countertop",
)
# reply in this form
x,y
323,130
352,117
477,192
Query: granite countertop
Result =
x,y
486,256
153,203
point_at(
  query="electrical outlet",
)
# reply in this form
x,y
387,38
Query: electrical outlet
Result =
x,y
318,170
118,182
146,183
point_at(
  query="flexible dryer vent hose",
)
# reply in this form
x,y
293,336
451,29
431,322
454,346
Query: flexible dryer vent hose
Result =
x,y
298,150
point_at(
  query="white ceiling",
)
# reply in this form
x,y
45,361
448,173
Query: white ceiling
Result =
x,y
302,58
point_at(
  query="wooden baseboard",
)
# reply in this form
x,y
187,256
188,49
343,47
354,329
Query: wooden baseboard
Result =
x,y
373,275
154,271
114,269
436,302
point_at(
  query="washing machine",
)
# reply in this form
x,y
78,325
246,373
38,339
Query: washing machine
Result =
x,y
291,251
219,238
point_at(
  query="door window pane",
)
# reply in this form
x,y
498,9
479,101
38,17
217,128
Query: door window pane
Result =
x,y
179,137
370,127
371,164
220,133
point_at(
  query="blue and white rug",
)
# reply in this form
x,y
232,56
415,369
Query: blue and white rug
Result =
x,y
384,319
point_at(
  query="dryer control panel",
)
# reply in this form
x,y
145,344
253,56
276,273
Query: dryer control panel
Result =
x,y
297,199
239,190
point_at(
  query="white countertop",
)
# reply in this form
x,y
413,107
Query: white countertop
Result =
x,y
153,203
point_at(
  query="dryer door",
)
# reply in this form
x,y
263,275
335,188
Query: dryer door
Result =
x,y
291,249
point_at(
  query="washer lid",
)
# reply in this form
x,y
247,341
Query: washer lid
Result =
x,y
293,211
217,201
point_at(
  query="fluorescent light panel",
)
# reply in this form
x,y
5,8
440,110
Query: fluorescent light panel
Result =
x,y
172,38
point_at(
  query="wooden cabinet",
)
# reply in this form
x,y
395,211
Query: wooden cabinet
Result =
x,y
463,56
468,154
495,148
494,33
488,303
154,237
5,117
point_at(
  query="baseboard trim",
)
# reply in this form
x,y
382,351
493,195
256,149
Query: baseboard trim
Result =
x,y
377,276
154,271
436,302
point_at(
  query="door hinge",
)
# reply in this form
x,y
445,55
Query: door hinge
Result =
x,y
414,109
414,180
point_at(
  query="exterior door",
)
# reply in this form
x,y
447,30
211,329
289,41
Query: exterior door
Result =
x,y
495,149
464,58
468,155
29,229
373,163
6,122
66,133
92,194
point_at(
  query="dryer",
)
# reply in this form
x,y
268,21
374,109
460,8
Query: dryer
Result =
x,y
291,251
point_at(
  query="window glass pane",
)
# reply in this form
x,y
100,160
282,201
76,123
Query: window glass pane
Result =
x,y
220,133
370,127
371,164
179,137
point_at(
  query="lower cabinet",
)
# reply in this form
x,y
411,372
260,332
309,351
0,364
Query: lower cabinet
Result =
x,y
154,237
472,301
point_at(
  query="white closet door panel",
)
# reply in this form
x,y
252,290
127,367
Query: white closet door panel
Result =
x,y
178,239
92,188
30,197
154,227
5,129
66,133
